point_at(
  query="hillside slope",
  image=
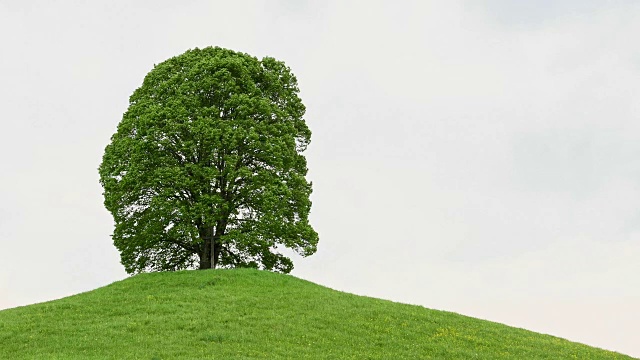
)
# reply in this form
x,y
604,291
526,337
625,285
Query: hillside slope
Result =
x,y
249,314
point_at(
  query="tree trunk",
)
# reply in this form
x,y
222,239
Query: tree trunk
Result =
x,y
212,248
216,246
205,251
216,252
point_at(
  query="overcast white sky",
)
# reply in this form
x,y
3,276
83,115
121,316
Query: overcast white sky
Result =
x,y
478,156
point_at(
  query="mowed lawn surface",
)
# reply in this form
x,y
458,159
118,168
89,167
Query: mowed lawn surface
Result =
x,y
250,314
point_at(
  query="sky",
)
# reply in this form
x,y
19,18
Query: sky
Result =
x,y
474,156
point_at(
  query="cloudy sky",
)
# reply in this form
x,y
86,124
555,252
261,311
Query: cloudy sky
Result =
x,y
476,156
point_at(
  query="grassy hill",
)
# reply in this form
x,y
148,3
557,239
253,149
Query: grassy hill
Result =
x,y
249,314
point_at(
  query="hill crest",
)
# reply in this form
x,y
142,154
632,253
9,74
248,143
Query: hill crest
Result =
x,y
251,314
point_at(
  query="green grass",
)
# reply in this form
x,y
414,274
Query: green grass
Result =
x,y
249,314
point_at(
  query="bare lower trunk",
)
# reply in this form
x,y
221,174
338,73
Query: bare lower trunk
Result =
x,y
216,252
216,245
205,251
211,246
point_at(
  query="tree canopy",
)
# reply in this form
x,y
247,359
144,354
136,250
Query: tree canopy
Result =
x,y
206,168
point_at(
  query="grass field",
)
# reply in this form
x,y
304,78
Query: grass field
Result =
x,y
250,314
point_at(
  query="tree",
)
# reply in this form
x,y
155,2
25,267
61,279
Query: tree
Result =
x,y
206,168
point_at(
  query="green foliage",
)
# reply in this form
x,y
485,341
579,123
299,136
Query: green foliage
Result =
x,y
259,315
206,167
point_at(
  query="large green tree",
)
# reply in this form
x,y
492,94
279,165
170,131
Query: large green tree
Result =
x,y
206,167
